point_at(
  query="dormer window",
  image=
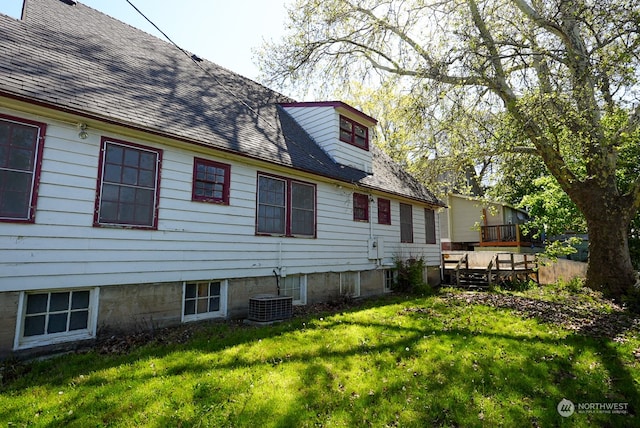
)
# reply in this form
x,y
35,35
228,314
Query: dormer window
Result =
x,y
354,133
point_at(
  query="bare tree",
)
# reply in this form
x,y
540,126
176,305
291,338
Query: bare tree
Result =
x,y
564,71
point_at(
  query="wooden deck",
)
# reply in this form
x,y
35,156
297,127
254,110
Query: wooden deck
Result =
x,y
507,235
503,267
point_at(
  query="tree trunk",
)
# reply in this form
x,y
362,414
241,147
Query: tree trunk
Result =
x,y
610,269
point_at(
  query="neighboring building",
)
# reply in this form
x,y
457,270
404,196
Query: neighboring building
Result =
x,y
471,223
140,188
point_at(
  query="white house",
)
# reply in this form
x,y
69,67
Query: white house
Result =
x,y
142,188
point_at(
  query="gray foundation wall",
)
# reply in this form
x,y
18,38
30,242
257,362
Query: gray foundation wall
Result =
x,y
371,283
8,317
323,287
139,307
147,307
240,290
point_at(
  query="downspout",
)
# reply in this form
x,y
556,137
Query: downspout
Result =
x,y
371,235
370,217
277,272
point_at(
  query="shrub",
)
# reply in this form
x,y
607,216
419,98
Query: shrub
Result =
x,y
410,276
574,285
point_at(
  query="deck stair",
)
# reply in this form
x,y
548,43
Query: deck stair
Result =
x,y
503,267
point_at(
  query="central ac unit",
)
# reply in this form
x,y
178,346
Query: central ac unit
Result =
x,y
268,308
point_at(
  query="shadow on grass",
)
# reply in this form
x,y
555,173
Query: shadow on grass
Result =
x,y
434,372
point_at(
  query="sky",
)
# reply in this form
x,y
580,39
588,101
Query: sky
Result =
x,y
222,31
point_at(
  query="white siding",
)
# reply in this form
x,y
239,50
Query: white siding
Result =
x,y
194,240
323,124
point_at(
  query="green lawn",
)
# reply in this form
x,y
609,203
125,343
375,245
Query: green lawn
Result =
x,y
440,360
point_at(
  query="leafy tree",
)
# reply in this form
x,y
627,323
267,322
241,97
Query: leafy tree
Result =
x,y
449,150
564,71
553,214
551,208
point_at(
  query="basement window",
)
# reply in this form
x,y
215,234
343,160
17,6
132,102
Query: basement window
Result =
x,y
49,317
204,299
390,278
295,286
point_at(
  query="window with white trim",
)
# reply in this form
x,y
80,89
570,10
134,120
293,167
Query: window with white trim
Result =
x,y
390,278
128,185
296,287
21,144
204,299
49,317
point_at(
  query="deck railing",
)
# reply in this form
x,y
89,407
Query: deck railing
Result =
x,y
457,263
507,235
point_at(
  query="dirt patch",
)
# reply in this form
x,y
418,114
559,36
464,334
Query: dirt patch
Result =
x,y
581,317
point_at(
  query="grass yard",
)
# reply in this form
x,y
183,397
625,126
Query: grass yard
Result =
x,y
453,359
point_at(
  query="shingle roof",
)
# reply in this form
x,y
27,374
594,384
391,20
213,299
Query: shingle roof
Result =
x,y
78,59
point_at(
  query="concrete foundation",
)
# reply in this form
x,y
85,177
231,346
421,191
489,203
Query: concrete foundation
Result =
x,y
241,289
147,307
371,283
8,318
139,307
323,287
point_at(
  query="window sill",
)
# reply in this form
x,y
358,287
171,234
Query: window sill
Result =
x,y
54,339
286,236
